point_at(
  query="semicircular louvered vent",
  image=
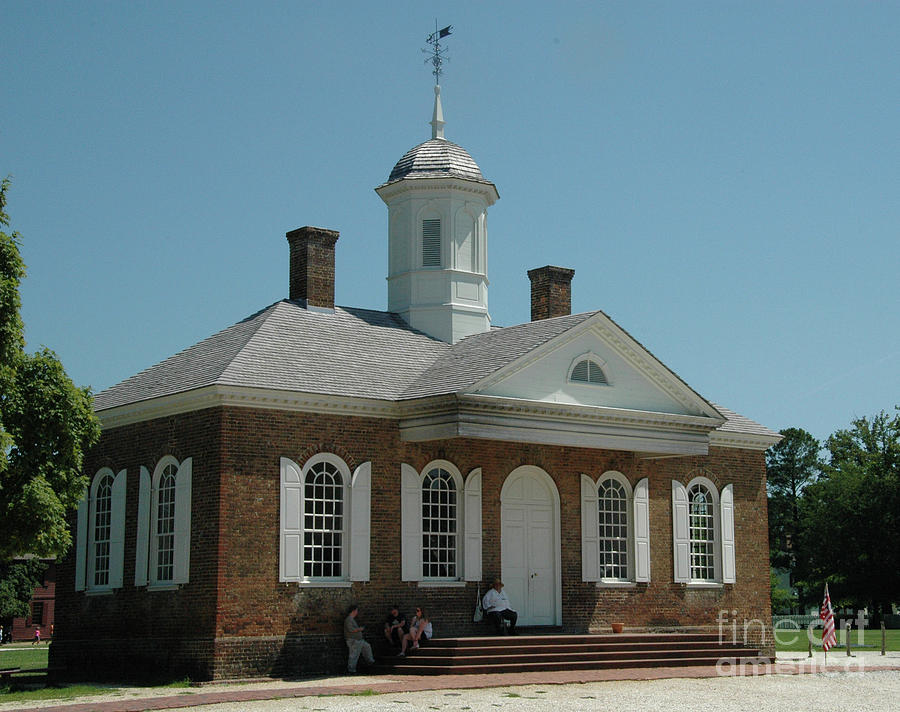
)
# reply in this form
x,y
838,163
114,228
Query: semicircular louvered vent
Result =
x,y
588,371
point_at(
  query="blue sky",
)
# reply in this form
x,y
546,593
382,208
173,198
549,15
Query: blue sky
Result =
x,y
724,177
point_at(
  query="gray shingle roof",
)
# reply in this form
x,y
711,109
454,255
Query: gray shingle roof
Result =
x,y
436,158
357,353
350,352
480,355
737,423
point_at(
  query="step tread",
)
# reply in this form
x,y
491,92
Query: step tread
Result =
x,y
412,668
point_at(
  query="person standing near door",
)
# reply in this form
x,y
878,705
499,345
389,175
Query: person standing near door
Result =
x,y
497,609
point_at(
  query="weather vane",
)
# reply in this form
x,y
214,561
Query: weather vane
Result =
x,y
436,52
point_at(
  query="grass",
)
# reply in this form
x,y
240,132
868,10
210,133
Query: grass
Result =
x,y
26,658
796,641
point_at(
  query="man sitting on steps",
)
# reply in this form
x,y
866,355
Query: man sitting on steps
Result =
x,y
496,608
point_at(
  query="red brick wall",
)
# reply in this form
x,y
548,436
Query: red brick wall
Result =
x,y
238,619
45,595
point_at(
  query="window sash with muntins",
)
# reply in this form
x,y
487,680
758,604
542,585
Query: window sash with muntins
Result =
x,y
323,522
702,534
165,525
613,523
102,530
439,525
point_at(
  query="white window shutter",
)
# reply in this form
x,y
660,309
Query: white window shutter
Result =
x,y
81,535
142,543
410,524
117,531
726,502
183,522
360,529
642,531
291,521
472,526
590,531
681,535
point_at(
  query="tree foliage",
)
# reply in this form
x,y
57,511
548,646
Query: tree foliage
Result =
x,y
18,579
46,424
851,515
791,464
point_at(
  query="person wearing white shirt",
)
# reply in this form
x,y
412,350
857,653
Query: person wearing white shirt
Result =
x,y
496,608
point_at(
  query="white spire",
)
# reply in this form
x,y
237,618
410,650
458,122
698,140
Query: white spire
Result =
x,y
437,118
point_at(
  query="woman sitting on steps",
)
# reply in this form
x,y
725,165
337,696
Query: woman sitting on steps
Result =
x,y
419,632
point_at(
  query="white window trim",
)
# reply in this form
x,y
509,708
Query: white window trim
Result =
x,y
356,532
468,525
182,531
601,363
637,510
85,561
723,533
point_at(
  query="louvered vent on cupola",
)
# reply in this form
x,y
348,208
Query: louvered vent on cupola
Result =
x,y
431,243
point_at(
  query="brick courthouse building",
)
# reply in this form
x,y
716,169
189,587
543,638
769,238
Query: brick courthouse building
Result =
x,y
247,489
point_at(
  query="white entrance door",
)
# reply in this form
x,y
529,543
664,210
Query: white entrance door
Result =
x,y
529,513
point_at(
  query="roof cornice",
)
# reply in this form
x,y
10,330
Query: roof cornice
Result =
x,y
475,416
244,397
483,188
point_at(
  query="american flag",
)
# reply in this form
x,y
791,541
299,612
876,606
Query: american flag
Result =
x,y
829,640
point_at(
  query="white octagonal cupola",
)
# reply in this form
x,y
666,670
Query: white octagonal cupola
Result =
x,y
437,237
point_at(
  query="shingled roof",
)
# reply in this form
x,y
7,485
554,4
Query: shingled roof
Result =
x,y
358,353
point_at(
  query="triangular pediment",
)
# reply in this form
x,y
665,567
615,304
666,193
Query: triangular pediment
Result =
x,y
596,363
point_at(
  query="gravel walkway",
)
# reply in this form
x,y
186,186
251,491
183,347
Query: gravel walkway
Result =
x,y
795,683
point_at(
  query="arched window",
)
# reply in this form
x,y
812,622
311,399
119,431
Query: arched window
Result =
x,y
324,521
615,537
703,532
163,549
440,523
101,529
100,533
614,521
165,524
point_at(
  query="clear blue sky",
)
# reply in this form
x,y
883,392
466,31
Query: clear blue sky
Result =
x,y
723,176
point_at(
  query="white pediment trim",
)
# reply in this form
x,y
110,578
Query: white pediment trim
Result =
x,y
629,349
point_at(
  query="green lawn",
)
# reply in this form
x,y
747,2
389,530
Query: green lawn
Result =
x,y
26,657
796,640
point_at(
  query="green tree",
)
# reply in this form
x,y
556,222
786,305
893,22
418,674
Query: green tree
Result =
x,y
851,515
17,582
46,425
791,464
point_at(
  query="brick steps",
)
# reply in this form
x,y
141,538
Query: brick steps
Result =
x,y
490,655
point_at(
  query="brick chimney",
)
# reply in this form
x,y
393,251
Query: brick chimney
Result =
x,y
312,266
551,292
